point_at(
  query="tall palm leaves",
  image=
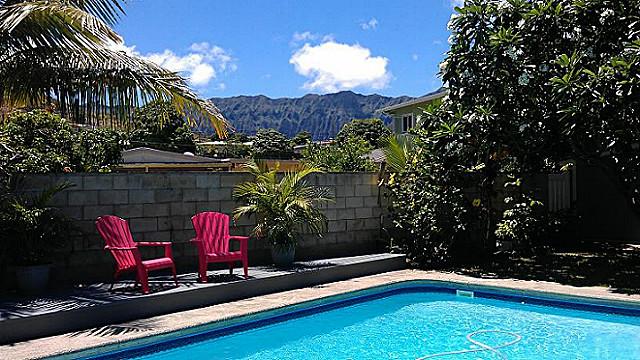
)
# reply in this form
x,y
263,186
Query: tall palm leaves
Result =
x,y
62,53
284,204
398,150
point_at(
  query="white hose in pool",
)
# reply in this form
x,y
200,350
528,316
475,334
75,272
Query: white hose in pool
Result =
x,y
483,346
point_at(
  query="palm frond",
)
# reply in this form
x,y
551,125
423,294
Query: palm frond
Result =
x,y
100,92
284,207
58,52
43,199
51,24
108,11
397,150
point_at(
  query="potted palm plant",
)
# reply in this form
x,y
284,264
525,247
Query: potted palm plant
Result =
x,y
285,205
33,230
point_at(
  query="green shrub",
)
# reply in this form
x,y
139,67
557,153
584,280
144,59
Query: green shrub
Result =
x,y
348,156
531,84
172,133
429,209
42,142
302,138
31,228
271,144
370,130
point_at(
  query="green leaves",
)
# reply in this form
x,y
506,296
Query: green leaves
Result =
x,y
42,142
284,204
32,228
271,144
350,155
370,130
504,37
53,53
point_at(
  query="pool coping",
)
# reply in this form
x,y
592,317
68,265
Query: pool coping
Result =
x,y
68,345
146,345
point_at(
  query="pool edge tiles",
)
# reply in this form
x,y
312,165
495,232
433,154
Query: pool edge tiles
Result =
x,y
215,329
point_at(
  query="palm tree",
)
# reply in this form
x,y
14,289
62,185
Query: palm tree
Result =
x,y
284,204
62,53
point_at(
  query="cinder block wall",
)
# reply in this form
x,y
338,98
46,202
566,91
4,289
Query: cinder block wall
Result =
x,y
159,207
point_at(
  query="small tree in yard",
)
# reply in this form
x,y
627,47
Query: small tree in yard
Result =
x,y
370,130
173,134
302,138
271,144
531,83
347,156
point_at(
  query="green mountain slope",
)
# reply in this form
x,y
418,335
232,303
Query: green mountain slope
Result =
x,y
322,115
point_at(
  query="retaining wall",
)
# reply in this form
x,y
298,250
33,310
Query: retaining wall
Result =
x,y
159,207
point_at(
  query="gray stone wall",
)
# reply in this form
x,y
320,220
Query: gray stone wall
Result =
x,y
159,207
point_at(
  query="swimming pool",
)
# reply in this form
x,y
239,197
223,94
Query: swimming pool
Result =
x,y
414,320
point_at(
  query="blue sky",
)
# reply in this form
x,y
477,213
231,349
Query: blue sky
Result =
x,y
287,48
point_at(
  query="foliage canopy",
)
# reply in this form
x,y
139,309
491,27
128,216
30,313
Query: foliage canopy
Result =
x,y
531,84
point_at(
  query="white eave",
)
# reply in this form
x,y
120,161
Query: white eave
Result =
x,y
429,97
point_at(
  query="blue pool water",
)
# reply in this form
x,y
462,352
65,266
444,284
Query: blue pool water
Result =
x,y
419,324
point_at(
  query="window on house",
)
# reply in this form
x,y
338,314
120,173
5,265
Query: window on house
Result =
x,y
407,122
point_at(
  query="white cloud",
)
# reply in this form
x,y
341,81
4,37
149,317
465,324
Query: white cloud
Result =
x,y
200,65
459,3
372,24
332,66
303,36
307,36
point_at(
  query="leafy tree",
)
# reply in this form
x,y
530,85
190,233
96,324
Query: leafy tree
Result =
x,y
370,130
63,54
531,83
174,134
302,138
349,156
98,150
42,142
271,144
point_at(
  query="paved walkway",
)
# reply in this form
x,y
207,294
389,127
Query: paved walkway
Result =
x,y
166,323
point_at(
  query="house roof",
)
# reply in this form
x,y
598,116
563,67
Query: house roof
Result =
x,y
426,98
148,155
376,155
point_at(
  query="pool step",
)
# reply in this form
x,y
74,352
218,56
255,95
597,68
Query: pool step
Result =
x,y
465,293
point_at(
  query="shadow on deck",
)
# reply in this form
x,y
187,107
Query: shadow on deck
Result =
x,y
97,308
616,266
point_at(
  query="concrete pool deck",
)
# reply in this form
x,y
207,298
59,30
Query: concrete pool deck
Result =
x,y
110,334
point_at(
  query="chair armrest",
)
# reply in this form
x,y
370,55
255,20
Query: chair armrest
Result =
x,y
239,238
114,248
244,243
167,246
153,243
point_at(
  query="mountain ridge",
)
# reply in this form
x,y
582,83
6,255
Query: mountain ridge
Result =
x,y
321,115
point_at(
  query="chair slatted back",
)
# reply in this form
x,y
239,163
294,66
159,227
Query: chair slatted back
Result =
x,y
212,229
115,232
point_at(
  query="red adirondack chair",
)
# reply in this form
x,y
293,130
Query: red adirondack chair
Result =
x,y
116,234
212,239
